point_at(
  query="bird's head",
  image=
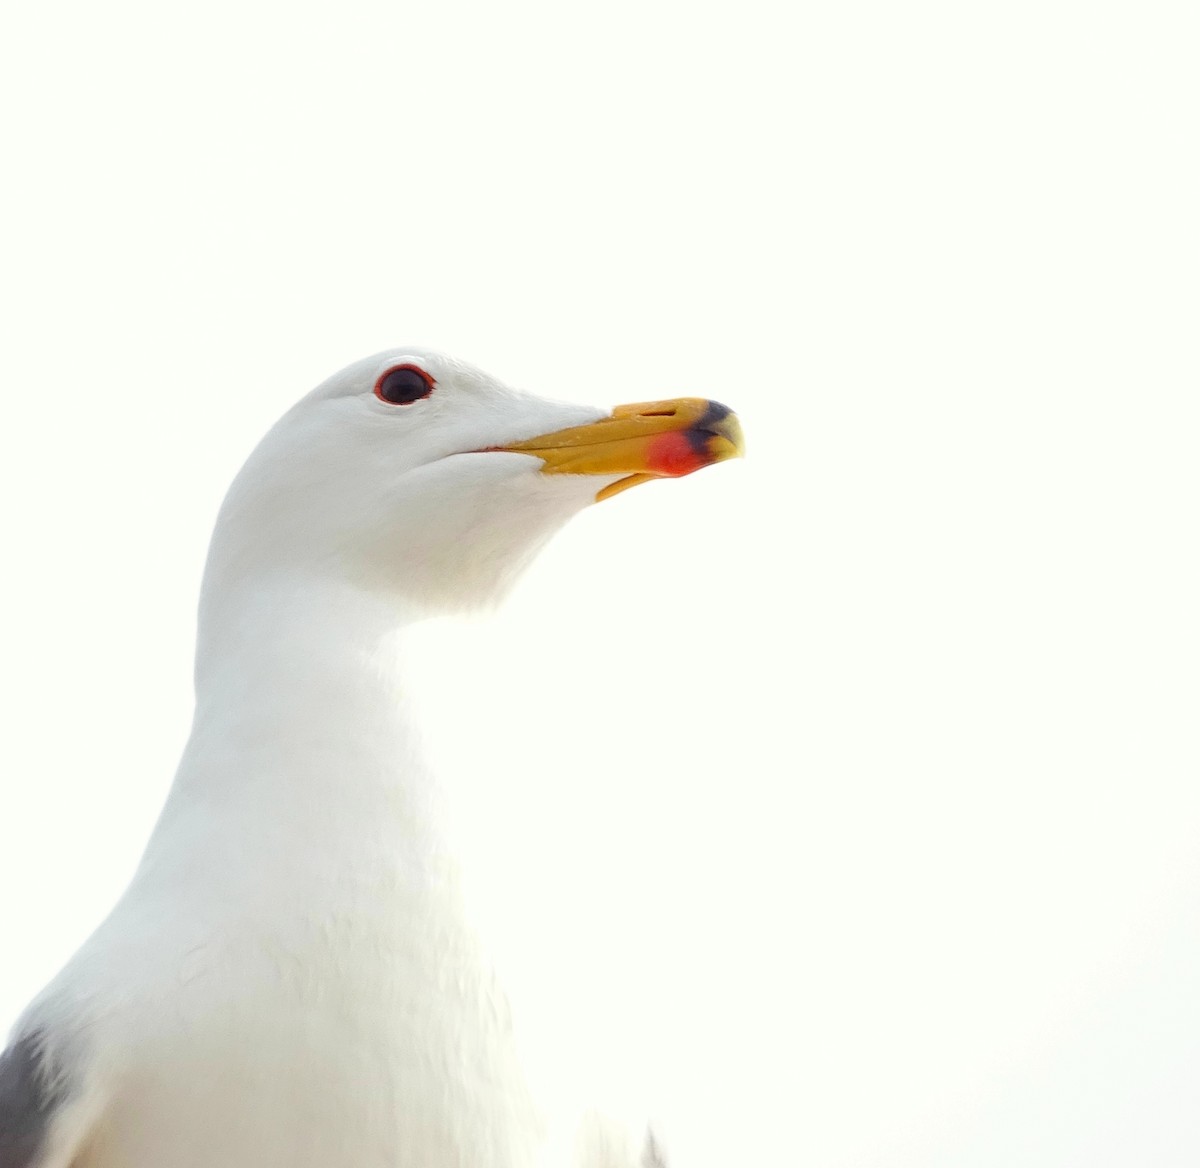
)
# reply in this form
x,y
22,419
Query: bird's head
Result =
x,y
415,474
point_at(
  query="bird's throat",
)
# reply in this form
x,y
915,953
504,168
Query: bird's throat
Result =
x,y
304,753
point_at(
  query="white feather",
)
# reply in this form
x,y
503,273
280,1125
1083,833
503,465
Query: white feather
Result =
x,y
292,977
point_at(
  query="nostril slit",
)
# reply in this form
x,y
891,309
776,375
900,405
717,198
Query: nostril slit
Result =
x,y
658,413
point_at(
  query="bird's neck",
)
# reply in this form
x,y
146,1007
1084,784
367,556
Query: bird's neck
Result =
x,y
304,749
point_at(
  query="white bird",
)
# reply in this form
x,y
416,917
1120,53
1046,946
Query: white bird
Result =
x,y
292,979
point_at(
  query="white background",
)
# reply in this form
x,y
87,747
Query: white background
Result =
x,y
867,767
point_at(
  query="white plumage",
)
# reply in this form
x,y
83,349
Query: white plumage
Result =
x,y
291,979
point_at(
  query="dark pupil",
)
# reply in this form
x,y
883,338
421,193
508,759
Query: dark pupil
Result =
x,y
403,385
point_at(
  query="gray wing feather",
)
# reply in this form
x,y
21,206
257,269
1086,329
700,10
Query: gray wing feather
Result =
x,y
652,1153
28,1099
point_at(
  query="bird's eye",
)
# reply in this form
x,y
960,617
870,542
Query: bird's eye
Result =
x,y
403,385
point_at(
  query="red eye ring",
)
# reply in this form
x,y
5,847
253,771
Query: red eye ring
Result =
x,y
401,385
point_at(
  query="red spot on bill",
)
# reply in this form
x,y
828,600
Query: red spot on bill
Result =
x,y
674,454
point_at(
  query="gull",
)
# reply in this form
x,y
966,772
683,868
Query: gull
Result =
x,y
292,978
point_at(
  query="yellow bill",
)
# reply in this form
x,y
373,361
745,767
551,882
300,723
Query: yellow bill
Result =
x,y
651,440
